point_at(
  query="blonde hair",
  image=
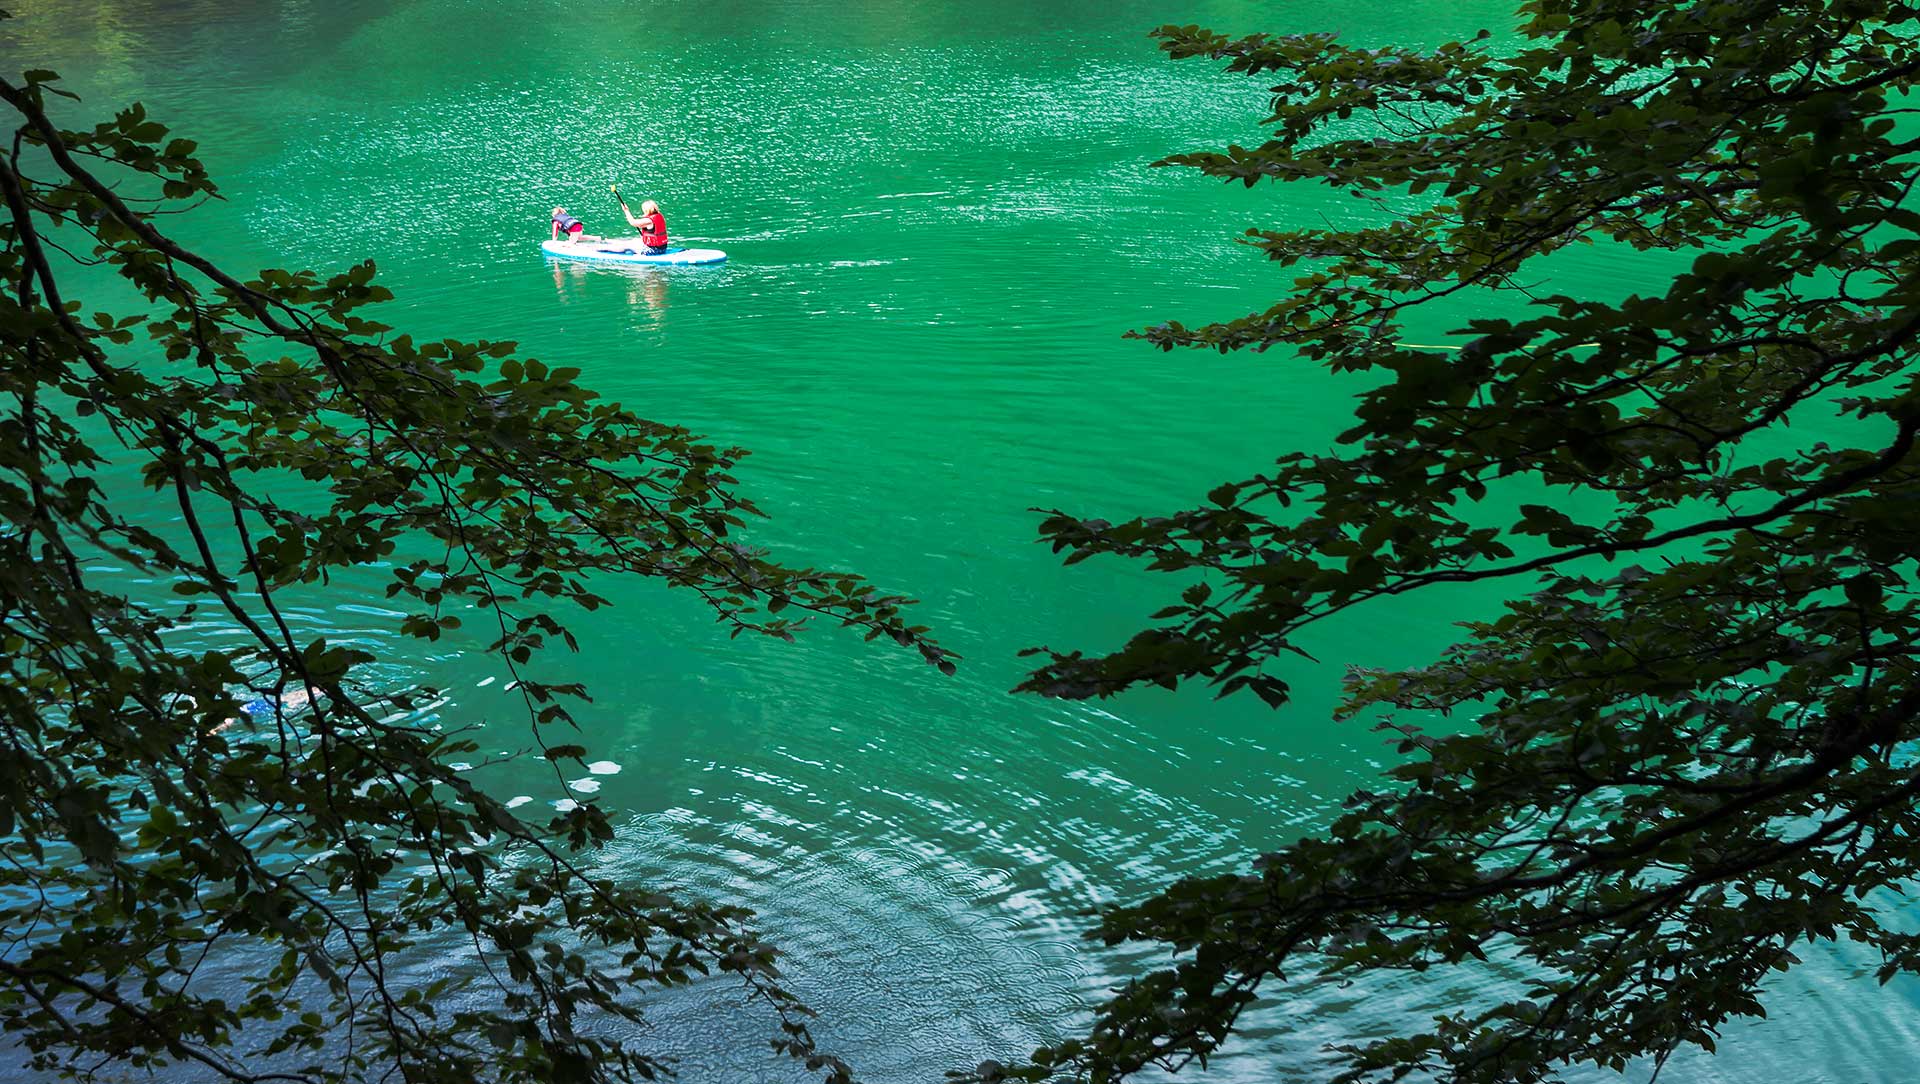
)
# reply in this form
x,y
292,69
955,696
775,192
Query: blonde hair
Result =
x,y
559,210
649,208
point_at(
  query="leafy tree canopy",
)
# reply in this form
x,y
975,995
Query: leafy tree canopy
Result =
x,y
1686,744
152,833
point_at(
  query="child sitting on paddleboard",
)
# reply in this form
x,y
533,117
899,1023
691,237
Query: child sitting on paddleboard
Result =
x,y
651,224
575,229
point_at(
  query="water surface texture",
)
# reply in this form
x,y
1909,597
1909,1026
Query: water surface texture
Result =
x,y
942,218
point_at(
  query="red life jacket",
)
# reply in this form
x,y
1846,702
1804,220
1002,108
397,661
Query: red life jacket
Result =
x,y
653,233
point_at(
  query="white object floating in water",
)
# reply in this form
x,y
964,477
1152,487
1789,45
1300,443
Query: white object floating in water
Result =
x,y
604,767
585,786
486,682
517,801
461,766
565,805
629,250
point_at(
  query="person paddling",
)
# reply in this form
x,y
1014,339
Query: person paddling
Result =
x,y
651,224
573,228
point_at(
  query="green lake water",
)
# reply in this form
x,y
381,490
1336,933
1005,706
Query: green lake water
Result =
x,y
941,218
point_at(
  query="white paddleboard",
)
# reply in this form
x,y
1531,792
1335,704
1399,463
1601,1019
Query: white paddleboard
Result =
x,y
628,250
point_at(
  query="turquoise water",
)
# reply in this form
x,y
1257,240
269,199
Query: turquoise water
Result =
x,y
941,218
